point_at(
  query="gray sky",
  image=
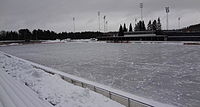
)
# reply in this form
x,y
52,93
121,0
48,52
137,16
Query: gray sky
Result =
x,y
57,14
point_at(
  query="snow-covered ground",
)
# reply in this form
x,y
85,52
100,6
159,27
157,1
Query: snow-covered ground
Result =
x,y
51,87
75,40
54,41
15,94
11,44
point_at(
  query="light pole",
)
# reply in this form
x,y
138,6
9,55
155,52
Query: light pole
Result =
x,y
141,6
107,26
167,22
179,23
99,20
74,24
104,18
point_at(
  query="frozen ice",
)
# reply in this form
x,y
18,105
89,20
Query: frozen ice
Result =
x,y
165,72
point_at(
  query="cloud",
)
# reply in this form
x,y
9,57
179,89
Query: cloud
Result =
x,y
57,14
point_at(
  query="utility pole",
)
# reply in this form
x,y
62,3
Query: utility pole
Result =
x,y
107,26
74,24
179,23
99,20
141,6
104,23
167,21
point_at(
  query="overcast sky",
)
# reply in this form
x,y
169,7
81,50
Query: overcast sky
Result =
x,y
57,15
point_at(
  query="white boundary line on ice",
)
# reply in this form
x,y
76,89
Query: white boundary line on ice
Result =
x,y
134,97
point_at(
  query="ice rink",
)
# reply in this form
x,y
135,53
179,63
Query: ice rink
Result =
x,y
168,73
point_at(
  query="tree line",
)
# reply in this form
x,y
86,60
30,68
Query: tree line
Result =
x,y
38,34
154,25
27,35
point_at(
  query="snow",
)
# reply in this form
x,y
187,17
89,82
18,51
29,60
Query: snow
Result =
x,y
15,94
73,40
11,44
54,41
51,87
159,42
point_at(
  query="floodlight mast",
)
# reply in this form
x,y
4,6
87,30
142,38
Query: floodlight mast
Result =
x,y
141,6
106,26
167,21
74,24
99,15
179,23
104,23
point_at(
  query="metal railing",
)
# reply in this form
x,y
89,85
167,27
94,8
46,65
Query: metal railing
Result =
x,y
128,102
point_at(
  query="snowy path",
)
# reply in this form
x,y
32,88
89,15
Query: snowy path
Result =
x,y
48,87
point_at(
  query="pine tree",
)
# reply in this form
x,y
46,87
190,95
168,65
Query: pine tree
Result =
x,y
130,28
124,28
154,25
143,26
140,25
26,34
149,26
121,31
136,27
158,24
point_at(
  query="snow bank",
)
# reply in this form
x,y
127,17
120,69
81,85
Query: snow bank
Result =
x,y
159,42
75,40
54,41
11,44
51,87
15,94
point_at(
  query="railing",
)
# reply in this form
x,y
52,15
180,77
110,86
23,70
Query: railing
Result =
x,y
128,102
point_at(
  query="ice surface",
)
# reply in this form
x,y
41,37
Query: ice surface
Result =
x,y
167,73
51,87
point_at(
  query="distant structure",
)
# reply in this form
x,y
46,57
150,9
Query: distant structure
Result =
x,y
141,6
74,24
106,26
104,18
179,23
192,28
99,15
167,21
